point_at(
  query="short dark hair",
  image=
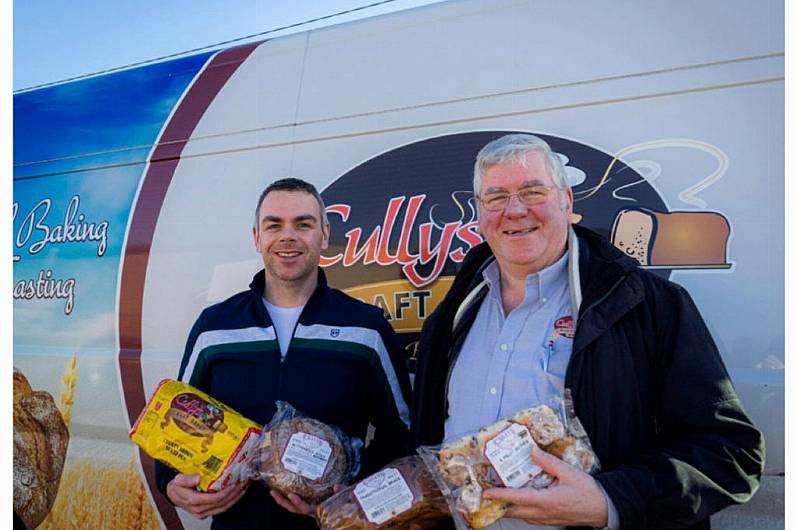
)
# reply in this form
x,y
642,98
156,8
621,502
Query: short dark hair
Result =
x,y
292,184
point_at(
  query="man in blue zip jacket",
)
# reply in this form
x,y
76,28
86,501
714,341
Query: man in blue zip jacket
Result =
x,y
293,338
543,307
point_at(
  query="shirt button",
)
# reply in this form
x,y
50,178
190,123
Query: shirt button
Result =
x,y
503,347
543,300
492,391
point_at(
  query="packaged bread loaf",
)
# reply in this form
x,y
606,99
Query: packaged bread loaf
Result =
x,y
400,495
301,455
499,455
196,434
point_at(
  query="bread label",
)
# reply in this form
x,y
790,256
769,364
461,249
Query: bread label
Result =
x,y
383,495
306,455
509,455
196,434
195,416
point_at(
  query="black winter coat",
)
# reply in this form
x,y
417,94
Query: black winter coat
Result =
x,y
648,385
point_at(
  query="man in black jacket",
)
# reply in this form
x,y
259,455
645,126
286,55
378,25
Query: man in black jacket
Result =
x,y
544,307
291,337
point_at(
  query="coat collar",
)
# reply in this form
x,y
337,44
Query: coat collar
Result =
x,y
595,268
257,286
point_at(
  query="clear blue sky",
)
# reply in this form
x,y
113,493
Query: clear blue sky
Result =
x,y
57,40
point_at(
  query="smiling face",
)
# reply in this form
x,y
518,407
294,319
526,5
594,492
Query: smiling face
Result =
x,y
290,235
525,239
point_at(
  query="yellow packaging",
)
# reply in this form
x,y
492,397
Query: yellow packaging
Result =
x,y
196,434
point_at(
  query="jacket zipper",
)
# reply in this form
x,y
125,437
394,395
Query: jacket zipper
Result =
x,y
451,365
574,353
604,297
283,360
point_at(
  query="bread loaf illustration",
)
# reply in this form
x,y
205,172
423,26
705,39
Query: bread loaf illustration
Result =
x,y
40,442
672,239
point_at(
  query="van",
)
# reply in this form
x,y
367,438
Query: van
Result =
x,y
134,195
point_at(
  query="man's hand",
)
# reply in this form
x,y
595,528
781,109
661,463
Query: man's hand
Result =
x,y
182,492
574,499
295,504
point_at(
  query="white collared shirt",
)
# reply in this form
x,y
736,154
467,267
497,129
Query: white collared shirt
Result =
x,y
500,368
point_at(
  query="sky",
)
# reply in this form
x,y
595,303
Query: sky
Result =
x,y
59,40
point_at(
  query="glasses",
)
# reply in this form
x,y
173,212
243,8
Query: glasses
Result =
x,y
529,196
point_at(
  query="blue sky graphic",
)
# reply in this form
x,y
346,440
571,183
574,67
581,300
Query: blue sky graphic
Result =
x,y
88,139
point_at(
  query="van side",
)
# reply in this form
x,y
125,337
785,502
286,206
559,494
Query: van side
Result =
x,y
134,194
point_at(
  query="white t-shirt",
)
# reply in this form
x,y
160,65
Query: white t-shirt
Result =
x,y
284,320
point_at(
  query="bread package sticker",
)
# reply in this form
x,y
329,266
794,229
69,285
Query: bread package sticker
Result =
x,y
196,434
383,495
401,496
509,454
306,455
301,455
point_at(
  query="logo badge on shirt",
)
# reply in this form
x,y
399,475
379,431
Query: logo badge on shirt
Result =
x,y
564,327
335,333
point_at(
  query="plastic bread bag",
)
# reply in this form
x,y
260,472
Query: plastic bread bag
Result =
x,y
301,455
401,494
197,434
498,455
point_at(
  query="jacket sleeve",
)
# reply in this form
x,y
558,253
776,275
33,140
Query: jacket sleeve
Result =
x,y
389,406
164,473
708,454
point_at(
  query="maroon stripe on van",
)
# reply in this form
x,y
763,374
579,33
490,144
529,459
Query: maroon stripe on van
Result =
x,y
163,163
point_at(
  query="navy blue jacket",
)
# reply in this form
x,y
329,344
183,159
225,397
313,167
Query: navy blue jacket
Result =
x,y
345,366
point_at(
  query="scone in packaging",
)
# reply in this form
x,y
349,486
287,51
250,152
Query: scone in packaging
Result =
x,y
498,455
401,495
297,454
196,434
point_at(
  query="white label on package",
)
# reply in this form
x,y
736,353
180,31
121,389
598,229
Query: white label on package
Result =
x,y
509,454
306,455
383,495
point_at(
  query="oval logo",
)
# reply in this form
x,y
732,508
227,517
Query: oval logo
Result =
x,y
402,222
194,415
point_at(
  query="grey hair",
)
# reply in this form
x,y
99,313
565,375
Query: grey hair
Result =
x,y
292,184
515,148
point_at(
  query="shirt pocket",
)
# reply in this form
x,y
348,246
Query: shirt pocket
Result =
x,y
559,359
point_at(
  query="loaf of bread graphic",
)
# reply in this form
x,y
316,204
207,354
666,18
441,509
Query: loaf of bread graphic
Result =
x,y
40,441
694,239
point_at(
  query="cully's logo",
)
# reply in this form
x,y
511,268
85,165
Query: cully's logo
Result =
x,y
196,417
402,222
433,249
564,327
